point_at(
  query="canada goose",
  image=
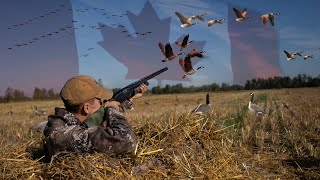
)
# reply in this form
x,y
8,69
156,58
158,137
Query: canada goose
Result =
x,y
177,98
184,43
308,56
185,21
215,21
167,52
204,108
9,113
147,103
186,66
40,126
269,16
40,112
241,16
253,108
196,53
198,16
291,56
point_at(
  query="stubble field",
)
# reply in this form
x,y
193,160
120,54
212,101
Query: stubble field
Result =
x,y
228,143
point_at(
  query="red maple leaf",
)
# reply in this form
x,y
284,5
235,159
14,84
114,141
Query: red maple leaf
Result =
x,y
141,54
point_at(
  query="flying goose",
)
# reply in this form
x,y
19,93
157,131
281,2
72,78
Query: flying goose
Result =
x,y
215,21
198,16
167,52
185,21
291,56
241,16
186,66
203,108
196,53
185,43
269,16
40,112
308,56
253,108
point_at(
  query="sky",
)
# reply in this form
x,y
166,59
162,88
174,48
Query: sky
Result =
x,y
46,42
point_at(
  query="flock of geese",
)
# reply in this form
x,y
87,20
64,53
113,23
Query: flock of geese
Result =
x,y
185,63
293,55
67,29
188,21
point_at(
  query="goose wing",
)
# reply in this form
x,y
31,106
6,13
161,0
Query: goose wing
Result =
x,y
185,40
271,19
205,108
200,17
168,49
288,54
244,12
162,48
183,20
181,62
238,13
255,108
192,52
188,64
199,55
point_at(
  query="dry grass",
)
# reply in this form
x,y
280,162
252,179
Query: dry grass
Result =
x,y
229,143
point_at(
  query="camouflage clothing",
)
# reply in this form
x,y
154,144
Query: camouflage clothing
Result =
x,y
66,133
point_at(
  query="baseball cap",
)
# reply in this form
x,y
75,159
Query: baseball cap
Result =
x,y
80,89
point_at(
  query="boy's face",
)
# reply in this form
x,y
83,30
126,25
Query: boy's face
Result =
x,y
91,107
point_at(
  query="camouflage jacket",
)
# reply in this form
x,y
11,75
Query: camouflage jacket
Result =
x,y
65,133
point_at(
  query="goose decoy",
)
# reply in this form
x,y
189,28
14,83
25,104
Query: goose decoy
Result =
x,y
41,126
241,16
215,21
291,56
177,98
147,103
167,52
196,53
253,108
185,43
40,112
204,108
9,113
269,16
186,66
185,21
308,56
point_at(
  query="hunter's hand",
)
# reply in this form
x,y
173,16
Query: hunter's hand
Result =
x,y
114,104
143,88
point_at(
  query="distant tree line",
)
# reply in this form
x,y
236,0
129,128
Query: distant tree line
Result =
x,y
12,94
283,82
269,83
